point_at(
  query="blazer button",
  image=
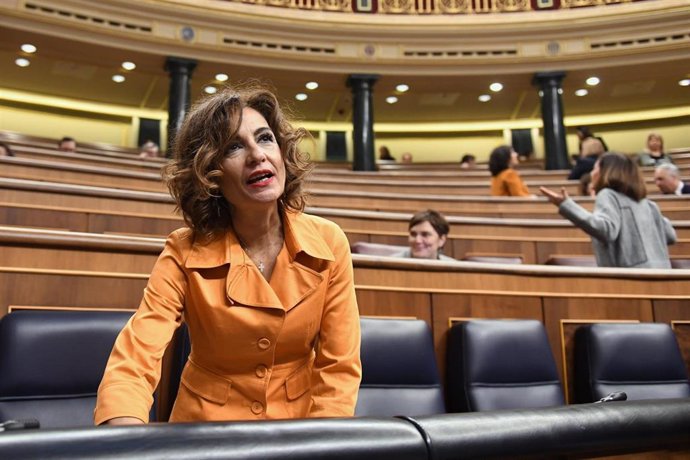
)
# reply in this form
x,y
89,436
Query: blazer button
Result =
x,y
261,371
264,343
257,407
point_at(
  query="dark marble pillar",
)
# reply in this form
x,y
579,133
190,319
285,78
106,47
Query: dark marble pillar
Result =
x,y
363,121
180,71
549,84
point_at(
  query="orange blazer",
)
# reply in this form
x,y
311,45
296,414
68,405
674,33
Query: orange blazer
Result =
x,y
508,183
260,350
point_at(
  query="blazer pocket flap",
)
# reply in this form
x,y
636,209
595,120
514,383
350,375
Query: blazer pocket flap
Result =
x,y
206,384
298,382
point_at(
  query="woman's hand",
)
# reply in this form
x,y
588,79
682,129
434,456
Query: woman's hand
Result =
x,y
124,421
554,197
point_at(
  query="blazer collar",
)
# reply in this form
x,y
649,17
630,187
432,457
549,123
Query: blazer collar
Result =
x,y
300,236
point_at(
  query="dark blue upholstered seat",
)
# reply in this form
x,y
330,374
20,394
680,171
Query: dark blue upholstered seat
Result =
x,y
641,359
51,363
500,364
399,371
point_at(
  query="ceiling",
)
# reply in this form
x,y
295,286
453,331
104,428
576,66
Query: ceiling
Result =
x,y
80,70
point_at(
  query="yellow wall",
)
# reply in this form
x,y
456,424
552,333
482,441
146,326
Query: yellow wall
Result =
x,y
101,123
445,148
85,128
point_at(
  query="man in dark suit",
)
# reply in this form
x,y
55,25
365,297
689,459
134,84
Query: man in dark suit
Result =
x,y
667,179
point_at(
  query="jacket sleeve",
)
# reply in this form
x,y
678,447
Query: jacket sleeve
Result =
x,y
515,185
134,366
603,224
669,231
337,370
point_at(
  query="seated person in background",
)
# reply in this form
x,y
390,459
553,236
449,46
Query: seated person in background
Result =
x,y
583,133
428,233
406,157
385,154
67,144
667,179
591,150
654,153
468,161
5,150
627,229
149,149
505,181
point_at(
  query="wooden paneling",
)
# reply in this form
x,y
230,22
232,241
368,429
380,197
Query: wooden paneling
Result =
x,y
36,287
394,304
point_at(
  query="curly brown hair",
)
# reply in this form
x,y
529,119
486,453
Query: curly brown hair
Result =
x,y
193,177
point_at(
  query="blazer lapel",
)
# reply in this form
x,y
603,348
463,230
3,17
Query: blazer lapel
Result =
x,y
244,285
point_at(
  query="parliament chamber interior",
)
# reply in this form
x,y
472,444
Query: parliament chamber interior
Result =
x,y
515,344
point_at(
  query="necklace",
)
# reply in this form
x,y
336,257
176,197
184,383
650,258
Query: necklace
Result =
x,y
259,264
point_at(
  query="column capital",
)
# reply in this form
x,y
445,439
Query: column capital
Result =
x,y
178,65
553,78
358,79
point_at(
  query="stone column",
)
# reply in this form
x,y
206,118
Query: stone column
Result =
x,y
180,71
549,84
362,121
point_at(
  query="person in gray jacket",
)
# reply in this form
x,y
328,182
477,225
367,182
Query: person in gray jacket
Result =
x,y
428,233
627,229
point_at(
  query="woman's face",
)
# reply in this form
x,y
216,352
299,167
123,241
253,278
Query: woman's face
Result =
x,y
253,167
654,144
425,241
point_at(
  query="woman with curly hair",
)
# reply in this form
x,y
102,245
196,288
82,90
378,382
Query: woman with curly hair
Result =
x,y
505,181
266,290
627,229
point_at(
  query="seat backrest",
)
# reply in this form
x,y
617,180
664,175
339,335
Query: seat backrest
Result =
x,y
399,371
500,364
376,249
572,261
52,361
641,359
679,262
489,259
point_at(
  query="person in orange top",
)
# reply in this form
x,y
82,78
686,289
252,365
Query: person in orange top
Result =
x,y
266,290
505,181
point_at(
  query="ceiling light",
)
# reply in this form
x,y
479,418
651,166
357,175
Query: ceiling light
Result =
x,y
28,48
129,65
118,78
484,98
495,87
22,62
301,97
222,77
401,88
391,99
210,89
312,85
593,81
581,92
684,82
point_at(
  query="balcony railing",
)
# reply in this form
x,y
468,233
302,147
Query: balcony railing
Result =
x,y
433,6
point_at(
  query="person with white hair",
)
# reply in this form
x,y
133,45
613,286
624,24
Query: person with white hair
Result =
x,y
667,179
